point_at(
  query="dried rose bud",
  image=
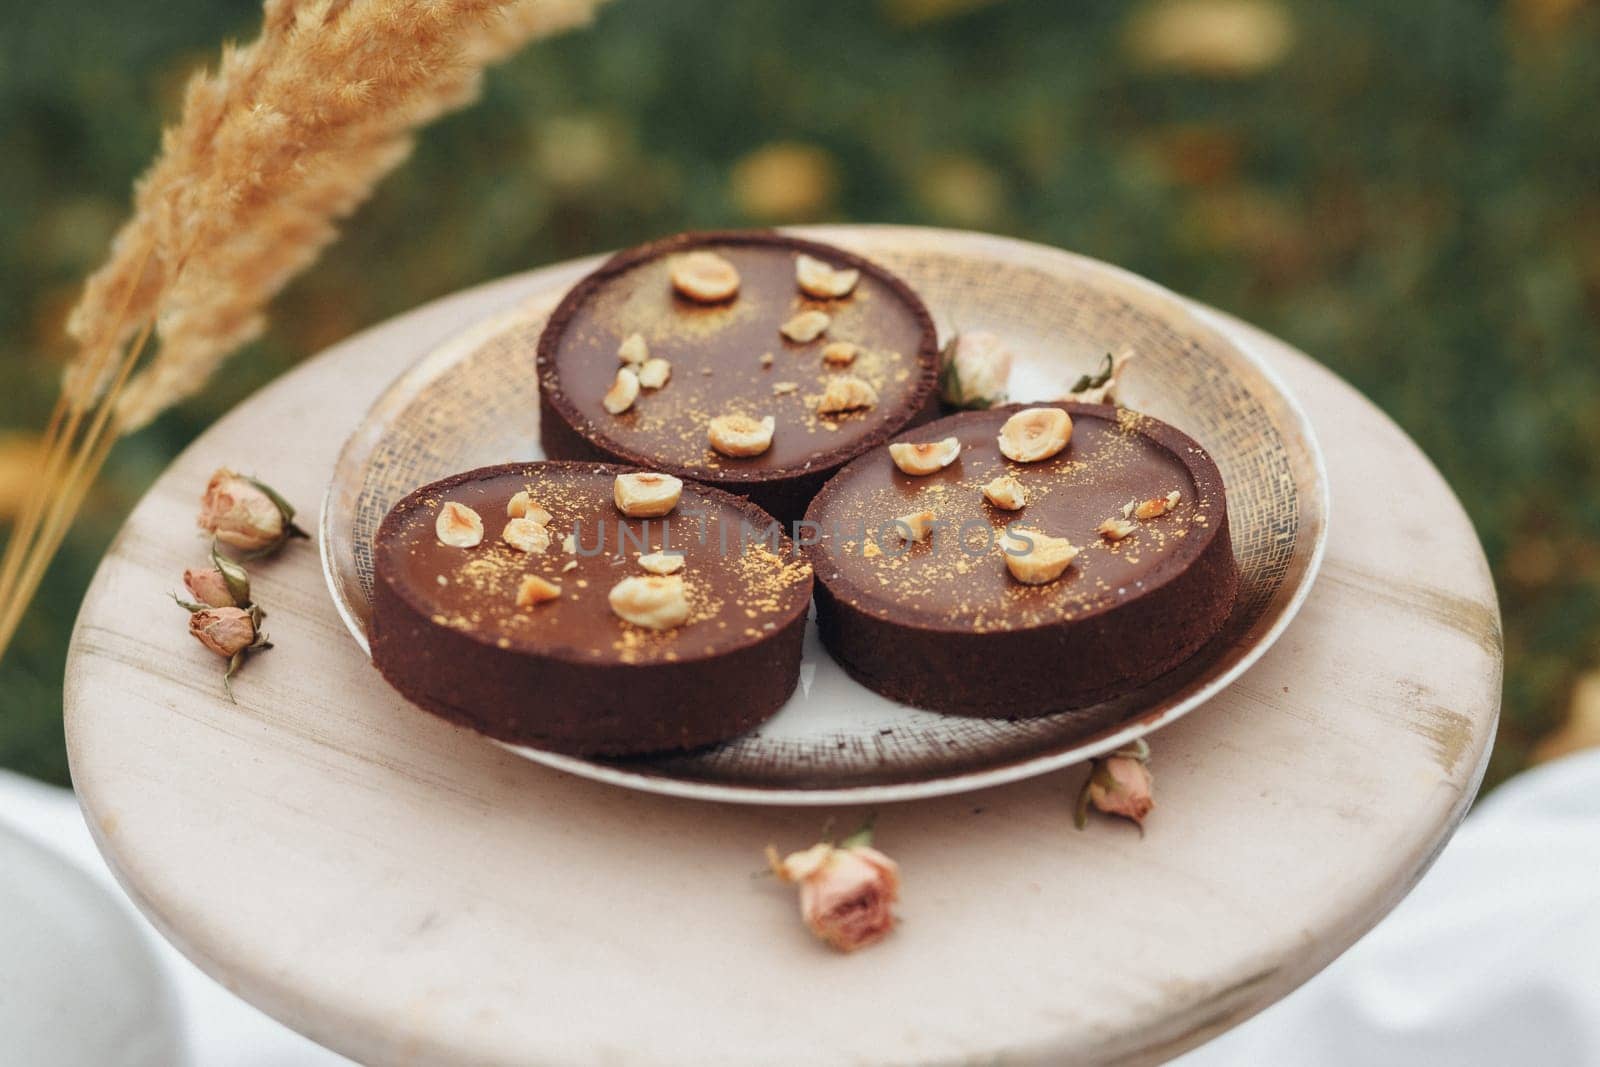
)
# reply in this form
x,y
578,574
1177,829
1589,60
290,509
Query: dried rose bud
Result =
x,y
209,587
225,631
246,514
224,584
973,370
1119,784
847,892
230,633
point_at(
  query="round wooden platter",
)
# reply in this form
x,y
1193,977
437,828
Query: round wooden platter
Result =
x,y
404,891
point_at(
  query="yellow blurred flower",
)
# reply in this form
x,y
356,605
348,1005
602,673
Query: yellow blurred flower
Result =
x,y
20,460
1582,727
961,190
576,151
1216,38
785,181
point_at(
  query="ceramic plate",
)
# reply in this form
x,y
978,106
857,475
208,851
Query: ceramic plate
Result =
x,y
473,402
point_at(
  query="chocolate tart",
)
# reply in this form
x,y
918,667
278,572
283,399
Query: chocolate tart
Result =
x,y
717,350
568,674
942,624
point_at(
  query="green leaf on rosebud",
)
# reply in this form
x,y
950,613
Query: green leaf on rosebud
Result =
x,y
236,577
1097,380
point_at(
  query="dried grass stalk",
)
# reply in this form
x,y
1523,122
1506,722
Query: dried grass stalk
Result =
x,y
273,149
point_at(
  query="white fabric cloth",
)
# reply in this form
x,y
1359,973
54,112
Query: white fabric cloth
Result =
x,y
1494,958
67,945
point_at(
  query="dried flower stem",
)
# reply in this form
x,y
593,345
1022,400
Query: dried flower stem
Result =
x,y
283,140
88,457
60,442
33,503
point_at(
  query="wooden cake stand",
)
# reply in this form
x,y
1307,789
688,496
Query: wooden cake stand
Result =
x,y
403,891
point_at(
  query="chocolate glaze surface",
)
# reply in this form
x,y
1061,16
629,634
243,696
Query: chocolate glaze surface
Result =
x,y
942,624
568,674
717,368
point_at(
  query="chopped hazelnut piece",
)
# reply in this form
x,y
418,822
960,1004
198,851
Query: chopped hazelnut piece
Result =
x,y
526,535
458,525
767,359
740,435
535,590
1005,493
925,458
1156,507
1034,558
623,392
645,496
846,393
1116,529
785,388
821,280
522,505
806,327
839,353
633,350
1033,434
656,602
569,565
569,544
915,526
704,277
654,373
662,562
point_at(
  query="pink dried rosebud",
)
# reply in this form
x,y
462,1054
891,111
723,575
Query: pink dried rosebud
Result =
x,y
230,632
209,587
246,514
225,631
1122,786
1119,784
973,370
224,584
847,892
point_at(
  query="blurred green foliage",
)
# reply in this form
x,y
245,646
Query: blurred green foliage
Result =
x,y
1409,191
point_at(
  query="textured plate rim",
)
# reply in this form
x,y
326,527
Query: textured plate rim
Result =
x,y
447,353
